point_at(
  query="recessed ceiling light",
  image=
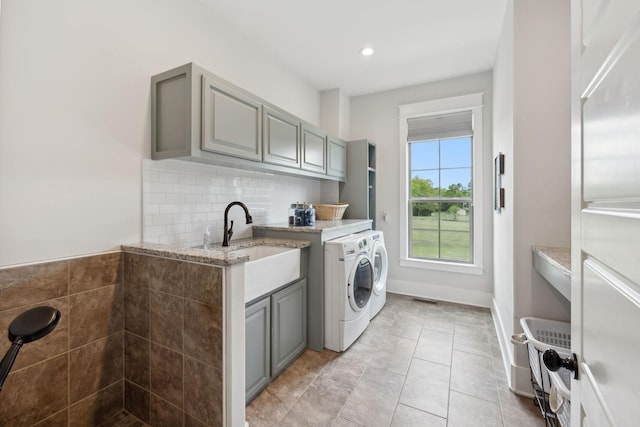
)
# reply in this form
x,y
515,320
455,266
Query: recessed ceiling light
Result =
x,y
367,51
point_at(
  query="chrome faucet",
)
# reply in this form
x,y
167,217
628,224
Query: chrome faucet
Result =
x,y
228,231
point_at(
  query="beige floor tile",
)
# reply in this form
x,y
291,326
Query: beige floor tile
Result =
x,y
407,327
465,411
435,347
474,375
519,411
344,371
267,409
427,387
397,373
373,400
471,339
314,361
439,323
292,383
319,405
341,422
396,356
406,416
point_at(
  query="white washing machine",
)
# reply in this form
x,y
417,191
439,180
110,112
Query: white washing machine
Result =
x,y
348,286
378,255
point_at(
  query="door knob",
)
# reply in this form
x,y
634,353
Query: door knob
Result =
x,y
553,362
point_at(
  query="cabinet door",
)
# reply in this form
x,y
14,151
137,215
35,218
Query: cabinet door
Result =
x,y
280,138
257,347
314,142
289,339
336,158
171,107
230,121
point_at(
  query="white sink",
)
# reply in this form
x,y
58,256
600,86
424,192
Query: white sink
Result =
x,y
268,268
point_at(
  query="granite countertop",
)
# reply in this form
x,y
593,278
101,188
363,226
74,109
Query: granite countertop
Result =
x,y
557,257
554,264
217,255
318,227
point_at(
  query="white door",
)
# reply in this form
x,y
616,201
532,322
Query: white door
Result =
x,y
606,212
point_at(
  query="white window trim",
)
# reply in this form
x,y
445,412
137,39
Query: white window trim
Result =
x,y
471,102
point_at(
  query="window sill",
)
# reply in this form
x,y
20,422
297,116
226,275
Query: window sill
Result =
x,y
442,266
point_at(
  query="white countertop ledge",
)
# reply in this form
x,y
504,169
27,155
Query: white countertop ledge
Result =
x,y
554,264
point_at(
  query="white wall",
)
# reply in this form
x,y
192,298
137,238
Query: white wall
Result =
x,y
375,117
75,112
532,129
542,147
503,270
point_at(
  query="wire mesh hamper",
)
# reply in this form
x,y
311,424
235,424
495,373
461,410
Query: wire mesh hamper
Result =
x,y
541,335
560,396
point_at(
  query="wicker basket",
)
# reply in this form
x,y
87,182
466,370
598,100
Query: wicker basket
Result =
x,y
326,211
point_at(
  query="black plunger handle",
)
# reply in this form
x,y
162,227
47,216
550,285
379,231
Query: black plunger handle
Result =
x,y
7,361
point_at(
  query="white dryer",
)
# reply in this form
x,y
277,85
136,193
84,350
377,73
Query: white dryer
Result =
x,y
348,283
378,255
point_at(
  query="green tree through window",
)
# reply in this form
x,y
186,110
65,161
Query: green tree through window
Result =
x,y
441,199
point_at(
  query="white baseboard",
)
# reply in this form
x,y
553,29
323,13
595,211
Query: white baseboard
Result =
x,y
440,293
503,340
518,377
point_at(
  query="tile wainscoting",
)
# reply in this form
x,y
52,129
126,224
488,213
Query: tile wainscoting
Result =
x,y
74,375
137,332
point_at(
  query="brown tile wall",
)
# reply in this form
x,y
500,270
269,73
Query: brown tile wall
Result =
x,y
75,375
173,341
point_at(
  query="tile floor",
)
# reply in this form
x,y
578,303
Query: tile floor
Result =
x,y
417,364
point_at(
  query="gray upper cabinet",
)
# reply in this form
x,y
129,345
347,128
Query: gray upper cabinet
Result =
x,y
198,116
360,187
174,114
314,149
336,158
281,137
231,121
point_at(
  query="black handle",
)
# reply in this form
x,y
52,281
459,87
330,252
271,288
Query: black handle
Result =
x,y
7,361
553,362
230,232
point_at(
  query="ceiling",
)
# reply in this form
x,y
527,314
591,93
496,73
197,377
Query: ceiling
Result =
x,y
415,41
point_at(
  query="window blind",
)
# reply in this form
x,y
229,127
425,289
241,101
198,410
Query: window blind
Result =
x,y
451,125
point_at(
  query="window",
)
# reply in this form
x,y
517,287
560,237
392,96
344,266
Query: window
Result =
x,y
441,175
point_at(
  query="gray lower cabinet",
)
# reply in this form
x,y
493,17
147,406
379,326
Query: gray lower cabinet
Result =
x,y
275,335
289,320
258,347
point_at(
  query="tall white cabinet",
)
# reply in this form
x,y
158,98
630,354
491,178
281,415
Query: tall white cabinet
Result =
x,y
359,189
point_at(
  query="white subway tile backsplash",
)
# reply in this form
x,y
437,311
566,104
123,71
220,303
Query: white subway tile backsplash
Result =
x,y
180,199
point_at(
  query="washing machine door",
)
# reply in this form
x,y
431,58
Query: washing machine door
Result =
x,y
380,267
360,282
